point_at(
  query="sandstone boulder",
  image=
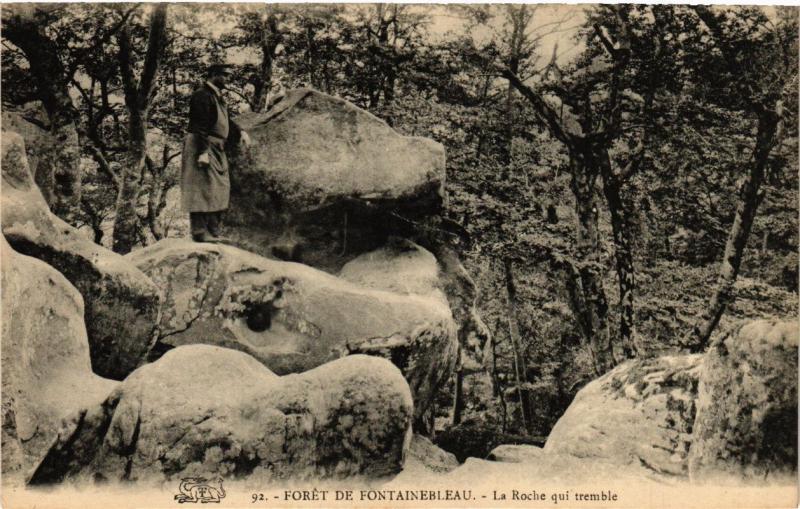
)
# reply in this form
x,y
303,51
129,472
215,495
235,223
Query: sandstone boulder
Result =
x,y
324,178
401,266
404,267
292,317
547,472
214,412
427,455
38,145
556,470
524,453
639,415
746,424
121,303
46,373
59,183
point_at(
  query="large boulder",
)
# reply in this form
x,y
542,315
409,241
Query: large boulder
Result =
x,y
517,453
400,266
424,456
523,472
404,267
324,178
746,424
121,303
46,372
551,470
207,411
292,317
60,184
38,145
639,415
424,461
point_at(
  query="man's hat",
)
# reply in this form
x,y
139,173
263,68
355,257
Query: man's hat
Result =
x,y
215,69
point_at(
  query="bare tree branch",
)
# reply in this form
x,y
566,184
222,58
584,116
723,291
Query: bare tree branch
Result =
x,y
544,110
155,46
609,46
98,45
102,162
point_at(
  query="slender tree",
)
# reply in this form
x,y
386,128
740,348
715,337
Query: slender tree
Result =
x,y
760,88
138,98
585,109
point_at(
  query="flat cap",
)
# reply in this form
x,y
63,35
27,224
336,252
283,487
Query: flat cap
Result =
x,y
214,69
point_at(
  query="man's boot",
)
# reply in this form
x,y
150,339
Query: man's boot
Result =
x,y
213,226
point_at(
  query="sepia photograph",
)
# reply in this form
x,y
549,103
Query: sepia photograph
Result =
x,y
374,255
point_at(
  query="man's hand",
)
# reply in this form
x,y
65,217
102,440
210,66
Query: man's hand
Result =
x,y
245,139
203,159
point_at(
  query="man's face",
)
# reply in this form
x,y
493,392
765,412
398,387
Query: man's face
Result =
x,y
220,80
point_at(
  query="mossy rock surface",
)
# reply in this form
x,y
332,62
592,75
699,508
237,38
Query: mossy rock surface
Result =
x,y
746,423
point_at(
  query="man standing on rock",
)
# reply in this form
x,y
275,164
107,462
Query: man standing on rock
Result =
x,y
205,181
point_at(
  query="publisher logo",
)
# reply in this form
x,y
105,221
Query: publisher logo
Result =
x,y
200,489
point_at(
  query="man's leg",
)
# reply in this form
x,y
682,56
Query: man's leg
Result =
x,y
197,223
213,222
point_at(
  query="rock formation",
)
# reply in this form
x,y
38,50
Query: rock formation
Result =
x,y
46,373
401,266
516,453
293,317
729,415
746,424
404,267
210,411
639,415
423,453
38,143
60,187
330,185
121,303
325,180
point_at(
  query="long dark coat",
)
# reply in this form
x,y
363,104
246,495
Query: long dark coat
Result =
x,y
206,188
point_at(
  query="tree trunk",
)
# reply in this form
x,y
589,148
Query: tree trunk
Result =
x,y
59,174
519,23
497,390
750,197
127,225
588,294
622,232
263,82
388,94
310,57
159,187
458,392
764,241
520,366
